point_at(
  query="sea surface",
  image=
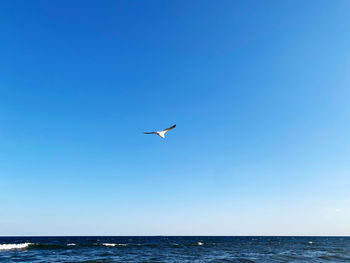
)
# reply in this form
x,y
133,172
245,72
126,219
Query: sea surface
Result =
x,y
174,249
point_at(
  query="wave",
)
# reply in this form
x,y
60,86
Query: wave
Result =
x,y
48,246
14,246
54,246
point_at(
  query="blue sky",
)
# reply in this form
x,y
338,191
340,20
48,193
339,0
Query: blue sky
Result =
x,y
259,91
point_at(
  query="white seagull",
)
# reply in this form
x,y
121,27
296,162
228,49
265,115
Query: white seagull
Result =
x,y
161,133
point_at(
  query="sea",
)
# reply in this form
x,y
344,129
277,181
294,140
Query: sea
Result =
x,y
174,249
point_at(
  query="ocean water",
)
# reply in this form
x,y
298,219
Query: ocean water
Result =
x,y
174,249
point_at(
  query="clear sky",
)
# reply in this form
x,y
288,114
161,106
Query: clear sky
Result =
x,y
259,91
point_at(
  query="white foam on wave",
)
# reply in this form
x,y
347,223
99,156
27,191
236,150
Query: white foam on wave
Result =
x,y
113,244
200,244
109,244
71,244
14,246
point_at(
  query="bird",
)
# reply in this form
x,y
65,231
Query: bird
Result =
x,y
162,132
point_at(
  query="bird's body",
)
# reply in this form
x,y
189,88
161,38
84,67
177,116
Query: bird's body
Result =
x,y
162,132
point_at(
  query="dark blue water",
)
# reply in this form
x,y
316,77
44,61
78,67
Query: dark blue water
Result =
x,y
174,249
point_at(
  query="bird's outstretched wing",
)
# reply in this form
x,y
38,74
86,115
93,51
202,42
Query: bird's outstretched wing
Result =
x,y
149,133
170,128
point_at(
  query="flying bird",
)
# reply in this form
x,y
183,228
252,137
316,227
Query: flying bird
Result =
x,y
161,133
